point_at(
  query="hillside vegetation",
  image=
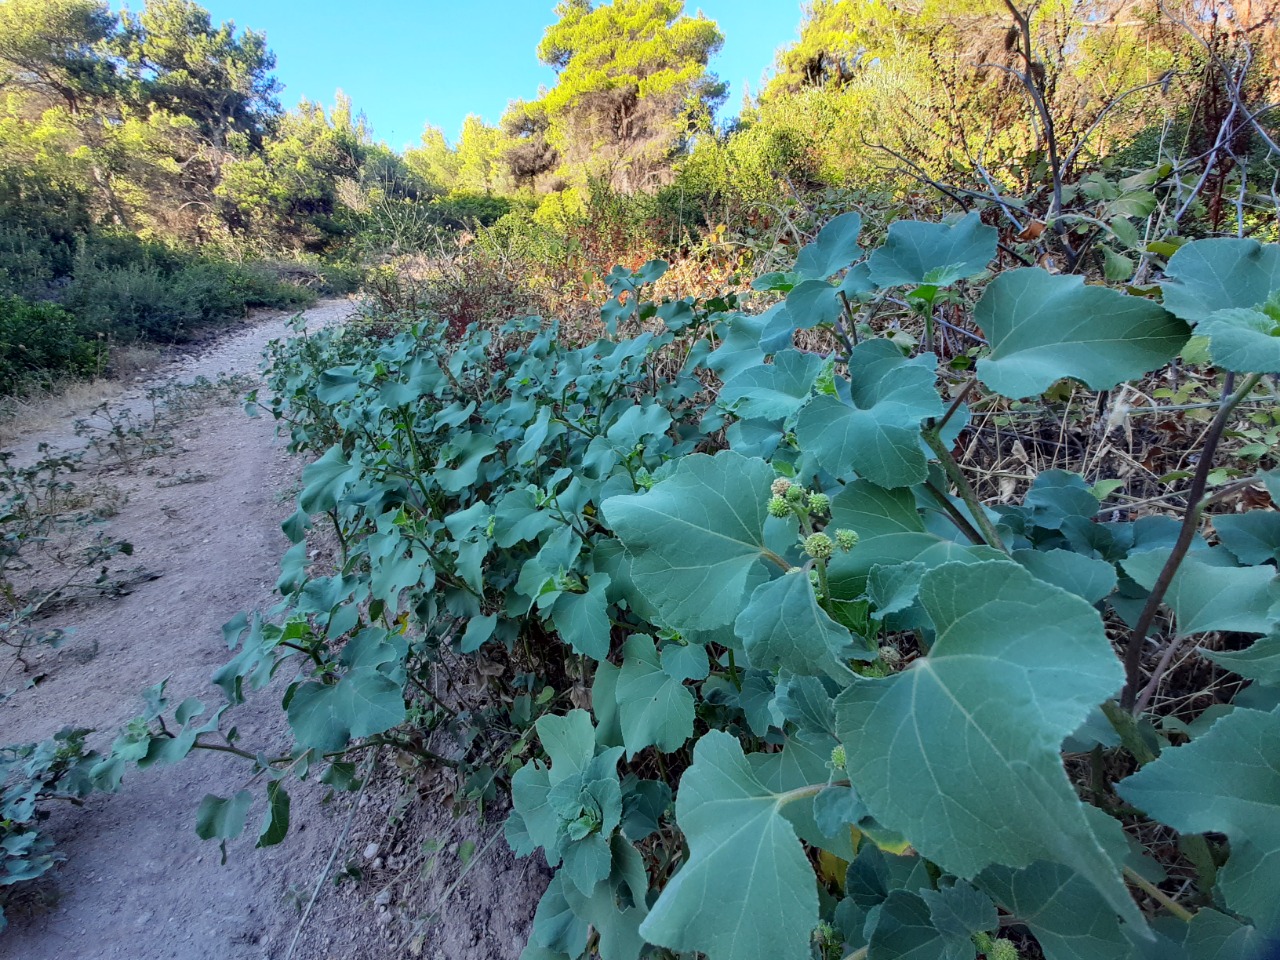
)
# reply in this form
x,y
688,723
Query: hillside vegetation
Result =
x,y
848,534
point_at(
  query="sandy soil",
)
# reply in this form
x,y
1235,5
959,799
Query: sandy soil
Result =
x,y
137,883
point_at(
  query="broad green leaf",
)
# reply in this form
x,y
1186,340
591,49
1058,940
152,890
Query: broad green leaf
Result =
x,y
1242,340
616,905
1206,276
1057,497
932,924
644,804
929,748
835,248
1225,781
747,891
478,632
1209,936
362,703
569,740
938,254
604,704
1045,327
556,927
697,538
1205,596
533,823
1086,577
1259,662
804,763
1070,919
326,480
582,619
891,533
784,627
773,391
1253,537
587,811
466,453
685,661
960,910
878,434
904,930
220,818
276,823
739,347
653,708
338,385
806,702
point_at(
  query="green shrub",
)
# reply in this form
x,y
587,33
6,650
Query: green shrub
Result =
x,y
40,339
142,301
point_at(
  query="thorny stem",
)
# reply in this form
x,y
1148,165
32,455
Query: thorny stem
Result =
x,y
966,491
1190,523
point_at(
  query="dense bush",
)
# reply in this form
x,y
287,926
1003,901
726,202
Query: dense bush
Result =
x,y
41,339
142,300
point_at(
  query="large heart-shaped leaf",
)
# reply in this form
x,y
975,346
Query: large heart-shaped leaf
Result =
x,y
1069,917
772,391
784,627
697,538
326,480
328,716
892,534
877,435
1226,781
835,247
654,708
938,254
1208,595
1045,327
1242,340
1206,276
1017,665
747,891
1259,662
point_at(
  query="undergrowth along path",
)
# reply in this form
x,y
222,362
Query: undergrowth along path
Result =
x,y
137,883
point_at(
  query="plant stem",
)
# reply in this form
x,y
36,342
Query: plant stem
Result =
x,y
1166,901
955,404
967,494
1190,523
733,670
958,518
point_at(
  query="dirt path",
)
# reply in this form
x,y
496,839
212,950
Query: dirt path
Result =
x,y
137,883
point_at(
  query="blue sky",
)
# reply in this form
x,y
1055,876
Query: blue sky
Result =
x,y
409,62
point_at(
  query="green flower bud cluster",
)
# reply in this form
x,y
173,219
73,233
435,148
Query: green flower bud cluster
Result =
x,y
819,503
826,933
995,948
644,480
838,757
819,546
846,540
795,493
778,507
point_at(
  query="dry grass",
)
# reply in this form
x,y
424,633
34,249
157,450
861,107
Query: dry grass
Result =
x,y
63,400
